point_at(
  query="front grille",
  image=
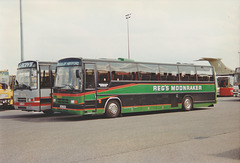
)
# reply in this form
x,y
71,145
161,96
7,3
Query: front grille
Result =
x,y
21,99
22,108
62,101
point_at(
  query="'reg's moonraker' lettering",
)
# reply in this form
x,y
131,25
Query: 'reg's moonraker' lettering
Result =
x,y
166,88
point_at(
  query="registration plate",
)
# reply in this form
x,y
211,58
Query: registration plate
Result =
x,y
63,106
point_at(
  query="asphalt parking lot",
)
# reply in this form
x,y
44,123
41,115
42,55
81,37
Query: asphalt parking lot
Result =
x,y
201,135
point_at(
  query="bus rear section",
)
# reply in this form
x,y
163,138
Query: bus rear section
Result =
x,y
236,86
33,89
84,86
6,93
225,85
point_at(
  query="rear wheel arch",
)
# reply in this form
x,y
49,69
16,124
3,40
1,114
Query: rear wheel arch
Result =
x,y
109,102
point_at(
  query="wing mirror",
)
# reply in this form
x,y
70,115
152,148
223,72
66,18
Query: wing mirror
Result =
x,y
78,75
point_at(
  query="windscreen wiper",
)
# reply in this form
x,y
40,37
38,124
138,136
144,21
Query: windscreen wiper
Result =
x,y
70,86
27,86
22,86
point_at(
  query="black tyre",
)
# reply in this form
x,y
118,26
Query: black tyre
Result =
x,y
187,104
112,109
48,112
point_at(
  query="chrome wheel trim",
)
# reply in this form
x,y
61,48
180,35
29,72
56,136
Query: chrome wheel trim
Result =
x,y
113,108
187,104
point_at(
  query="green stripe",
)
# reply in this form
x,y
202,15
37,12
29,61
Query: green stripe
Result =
x,y
134,109
149,108
161,88
145,89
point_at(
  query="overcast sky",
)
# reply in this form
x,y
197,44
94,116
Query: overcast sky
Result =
x,y
165,31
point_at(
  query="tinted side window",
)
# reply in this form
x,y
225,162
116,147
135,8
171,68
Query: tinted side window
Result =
x,y
45,81
124,71
103,69
187,73
223,81
204,73
168,73
148,72
53,74
90,76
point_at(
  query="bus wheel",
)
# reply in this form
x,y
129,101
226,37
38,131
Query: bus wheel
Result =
x,y
112,109
48,112
187,104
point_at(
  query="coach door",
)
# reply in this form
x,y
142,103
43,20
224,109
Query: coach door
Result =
x,y
90,100
45,87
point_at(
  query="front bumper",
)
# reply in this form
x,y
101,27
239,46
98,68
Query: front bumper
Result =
x,y
5,102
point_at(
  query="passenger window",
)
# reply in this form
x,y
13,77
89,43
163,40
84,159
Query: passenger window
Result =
x,y
124,71
103,70
148,72
90,76
168,73
53,74
45,81
187,73
204,73
223,81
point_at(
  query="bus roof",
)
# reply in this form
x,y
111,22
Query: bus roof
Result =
x,y
120,60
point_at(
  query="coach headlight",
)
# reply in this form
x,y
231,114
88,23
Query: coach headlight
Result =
x,y
30,99
73,101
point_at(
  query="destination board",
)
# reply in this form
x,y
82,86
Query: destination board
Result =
x,y
69,62
28,64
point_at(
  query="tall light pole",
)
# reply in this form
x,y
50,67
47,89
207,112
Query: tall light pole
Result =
x,y
127,17
239,57
21,31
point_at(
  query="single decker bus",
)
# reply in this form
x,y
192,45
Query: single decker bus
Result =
x,y
225,85
6,93
236,85
33,88
112,87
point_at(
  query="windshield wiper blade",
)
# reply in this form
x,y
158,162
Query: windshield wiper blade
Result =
x,y
69,85
22,86
26,86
